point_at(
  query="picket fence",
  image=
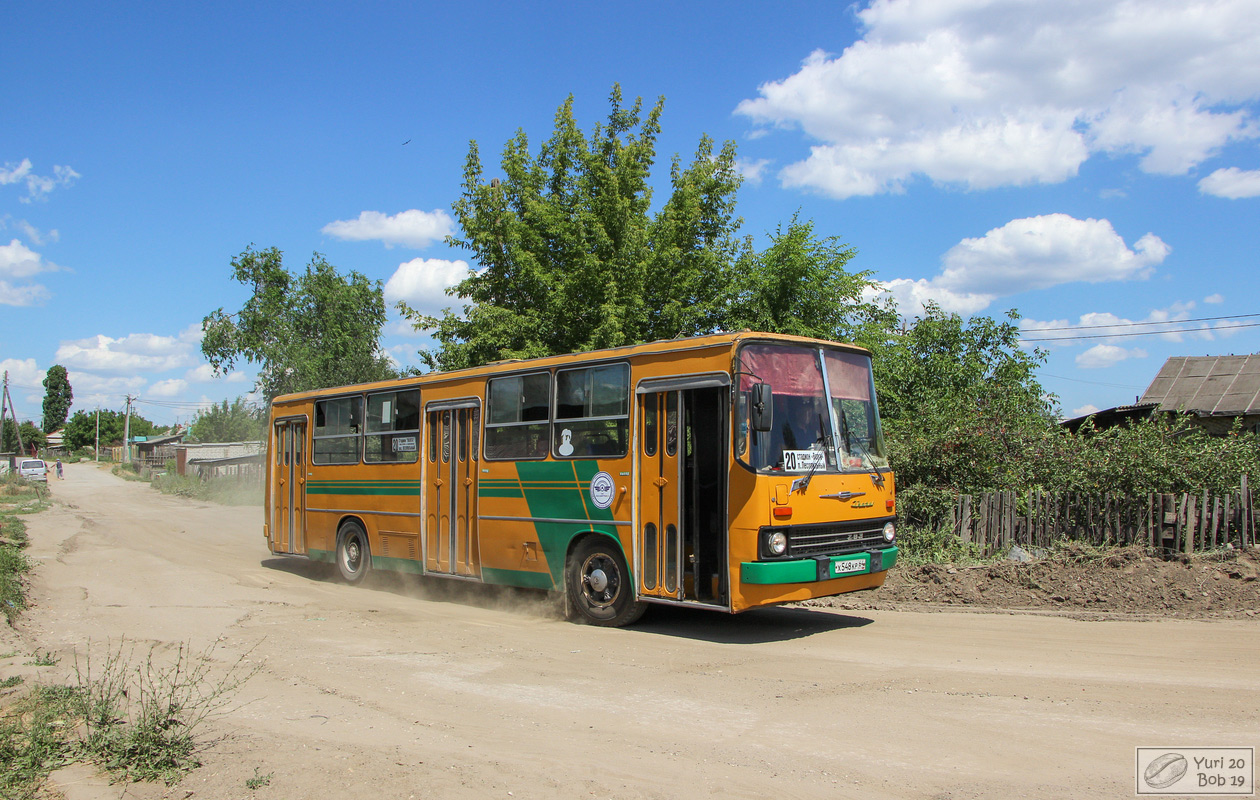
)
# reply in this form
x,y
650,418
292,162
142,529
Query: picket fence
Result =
x,y
1180,523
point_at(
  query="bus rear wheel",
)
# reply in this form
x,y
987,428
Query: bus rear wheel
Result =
x,y
354,559
599,587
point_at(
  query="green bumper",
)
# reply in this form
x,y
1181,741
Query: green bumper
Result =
x,y
819,569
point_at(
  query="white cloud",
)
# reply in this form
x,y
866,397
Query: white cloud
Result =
x,y
1040,252
30,295
984,93
1232,183
20,262
912,297
38,187
171,387
24,372
417,229
92,390
1105,328
35,235
1214,299
422,283
1088,408
1026,254
137,352
12,173
204,373
752,170
1102,356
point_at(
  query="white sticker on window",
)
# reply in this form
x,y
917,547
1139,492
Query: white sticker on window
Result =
x,y
804,460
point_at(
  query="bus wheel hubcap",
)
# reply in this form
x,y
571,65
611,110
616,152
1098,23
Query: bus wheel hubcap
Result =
x,y
598,580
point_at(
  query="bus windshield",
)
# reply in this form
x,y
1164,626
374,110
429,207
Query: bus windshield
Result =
x,y
825,417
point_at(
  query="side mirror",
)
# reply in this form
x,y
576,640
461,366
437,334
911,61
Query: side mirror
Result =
x,y
761,407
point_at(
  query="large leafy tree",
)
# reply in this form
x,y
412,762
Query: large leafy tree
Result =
x,y
238,422
800,285
58,396
80,430
571,256
962,408
312,330
26,433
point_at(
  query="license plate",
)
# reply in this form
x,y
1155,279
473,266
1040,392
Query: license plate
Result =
x,y
848,567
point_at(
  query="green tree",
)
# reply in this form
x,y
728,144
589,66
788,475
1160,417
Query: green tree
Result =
x,y
30,436
308,331
57,397
238,422
800,285
80,430
962,408
571,257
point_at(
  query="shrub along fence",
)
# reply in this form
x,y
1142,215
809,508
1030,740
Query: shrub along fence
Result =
x,y
1183,523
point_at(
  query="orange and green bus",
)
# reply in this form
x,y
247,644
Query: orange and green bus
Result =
x,y
723,472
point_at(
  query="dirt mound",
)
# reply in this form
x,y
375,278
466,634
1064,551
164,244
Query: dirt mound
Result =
x,y
1080,582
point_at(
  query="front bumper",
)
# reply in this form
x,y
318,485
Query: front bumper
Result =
x,y
819,568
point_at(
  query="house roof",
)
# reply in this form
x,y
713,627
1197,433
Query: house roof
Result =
x,y
1210,386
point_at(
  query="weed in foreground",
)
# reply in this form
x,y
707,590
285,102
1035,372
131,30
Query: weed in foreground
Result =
x,y
138,718
11,681
928,545
46,658
258,781
143,718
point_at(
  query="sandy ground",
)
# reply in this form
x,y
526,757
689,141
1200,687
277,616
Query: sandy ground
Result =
x,y
406,688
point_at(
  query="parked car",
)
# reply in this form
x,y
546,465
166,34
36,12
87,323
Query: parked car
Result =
x,y
33,469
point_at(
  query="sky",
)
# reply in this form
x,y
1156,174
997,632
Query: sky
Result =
x,y
1094,166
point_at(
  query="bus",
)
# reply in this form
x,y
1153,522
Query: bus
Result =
x,y
723,472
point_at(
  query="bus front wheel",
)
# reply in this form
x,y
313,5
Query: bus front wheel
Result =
x,y
353,557
599,586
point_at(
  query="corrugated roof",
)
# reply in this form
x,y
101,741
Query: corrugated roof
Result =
x,y
1207,385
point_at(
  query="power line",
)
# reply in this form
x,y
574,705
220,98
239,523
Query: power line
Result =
x,y
1136,324
1139,333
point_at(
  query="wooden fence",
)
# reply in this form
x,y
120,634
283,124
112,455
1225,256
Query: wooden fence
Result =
x,y
1182,523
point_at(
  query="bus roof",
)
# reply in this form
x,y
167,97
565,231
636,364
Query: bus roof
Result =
x,y
658,347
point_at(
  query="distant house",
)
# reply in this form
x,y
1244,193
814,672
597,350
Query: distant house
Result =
x,y
1216,391
155,451
220,459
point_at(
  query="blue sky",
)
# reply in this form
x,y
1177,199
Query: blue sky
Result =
x,y
1087,163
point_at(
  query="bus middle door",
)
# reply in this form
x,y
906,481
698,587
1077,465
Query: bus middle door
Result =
x,y
660,495
451,527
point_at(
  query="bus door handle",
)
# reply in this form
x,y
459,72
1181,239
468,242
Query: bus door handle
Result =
x,y
468,481
661,483
437,481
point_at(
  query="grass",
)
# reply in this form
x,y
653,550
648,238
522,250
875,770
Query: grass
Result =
x,y
13,566
927,545
258,781
227,491
23,495
129,472
138,717
45,659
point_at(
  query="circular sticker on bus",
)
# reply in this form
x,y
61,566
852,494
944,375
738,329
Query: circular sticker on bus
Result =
x,y
602,490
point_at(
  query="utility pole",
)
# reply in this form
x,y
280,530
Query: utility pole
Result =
x,y
97,450
127,432
5,398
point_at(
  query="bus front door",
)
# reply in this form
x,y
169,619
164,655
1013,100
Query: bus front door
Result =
x,y
288,507
660,495
451,527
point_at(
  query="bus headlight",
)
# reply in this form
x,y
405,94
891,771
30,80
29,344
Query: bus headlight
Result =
x,y
890,532
776,543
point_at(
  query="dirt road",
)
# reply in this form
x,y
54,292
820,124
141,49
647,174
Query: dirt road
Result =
x,y
406,688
